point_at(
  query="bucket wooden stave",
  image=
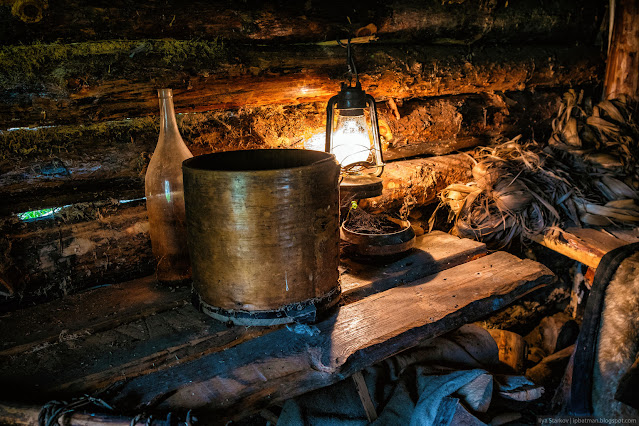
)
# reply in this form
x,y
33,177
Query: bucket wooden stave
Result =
x,y
263,232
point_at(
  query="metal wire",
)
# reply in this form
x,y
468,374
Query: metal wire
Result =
x,y
350,61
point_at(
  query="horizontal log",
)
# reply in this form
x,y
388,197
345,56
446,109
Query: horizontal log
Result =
x,y
89,244
87,82
82,246
418,182
313,21
88,312
54,166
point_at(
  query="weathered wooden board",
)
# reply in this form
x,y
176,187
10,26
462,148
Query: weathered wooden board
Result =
x,y
432,253
81,246
89,361
313,21
87,323
585,245
419,180
54,166
283,364
89,82
86,313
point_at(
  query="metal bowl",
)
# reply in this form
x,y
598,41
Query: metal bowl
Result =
x,y
380,244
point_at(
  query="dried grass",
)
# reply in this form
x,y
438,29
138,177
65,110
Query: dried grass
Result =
x,y
521,190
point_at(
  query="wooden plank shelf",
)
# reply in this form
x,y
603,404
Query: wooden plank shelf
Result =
x,y
587,245
175,358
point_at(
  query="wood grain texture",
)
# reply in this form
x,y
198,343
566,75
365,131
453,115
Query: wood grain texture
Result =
x,y
86,83
283,364
420,180
80,246
86,313
622,64
312,21
432,253
54,166
585,245
173,336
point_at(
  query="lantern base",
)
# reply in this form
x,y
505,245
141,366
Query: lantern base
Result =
x,y
358,187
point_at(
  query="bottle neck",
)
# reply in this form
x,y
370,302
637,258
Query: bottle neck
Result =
x,y
168,124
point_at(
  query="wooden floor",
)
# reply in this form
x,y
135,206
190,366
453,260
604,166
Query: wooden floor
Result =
x,y
154,351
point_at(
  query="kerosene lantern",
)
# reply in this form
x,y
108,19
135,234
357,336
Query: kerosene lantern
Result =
x,y
352,135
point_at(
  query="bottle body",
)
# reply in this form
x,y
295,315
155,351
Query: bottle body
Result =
x,y
164,191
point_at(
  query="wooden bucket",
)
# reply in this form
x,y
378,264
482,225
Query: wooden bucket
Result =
x,y
263,234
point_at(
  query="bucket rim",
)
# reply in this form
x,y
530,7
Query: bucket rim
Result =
x,y
187,164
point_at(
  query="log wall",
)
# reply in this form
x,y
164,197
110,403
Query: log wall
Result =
x,y
78,105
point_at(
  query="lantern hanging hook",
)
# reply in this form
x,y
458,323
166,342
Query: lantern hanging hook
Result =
x,y
350,62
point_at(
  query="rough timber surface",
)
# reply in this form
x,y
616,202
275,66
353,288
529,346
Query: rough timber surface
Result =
x,y
80,246
60,165
85,313
283,364
91,82
586,245
432,253
419,180
179,359
309,21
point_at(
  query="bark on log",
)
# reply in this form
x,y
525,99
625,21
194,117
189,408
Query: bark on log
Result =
x,y
62,165
89,244
82,246
622,75
311,21
85,82
418,182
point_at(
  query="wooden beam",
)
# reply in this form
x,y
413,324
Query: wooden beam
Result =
x,y
419,181
90,82
622,77
432,253
259,22
81,246
55,166
86,313
585,245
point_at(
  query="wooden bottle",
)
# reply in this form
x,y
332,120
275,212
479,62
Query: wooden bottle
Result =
x,y
165,197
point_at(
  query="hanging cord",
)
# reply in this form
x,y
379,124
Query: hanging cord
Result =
x,y
350,61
